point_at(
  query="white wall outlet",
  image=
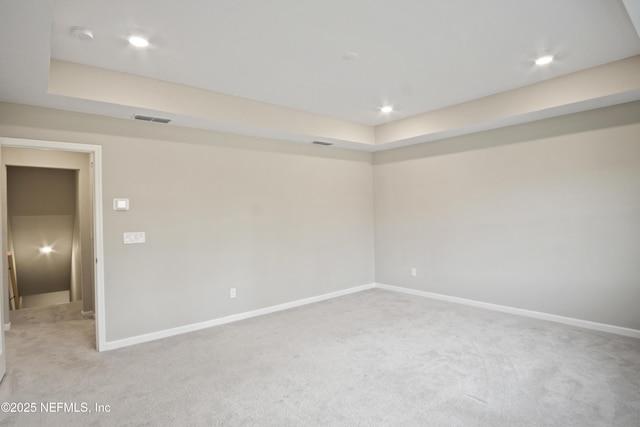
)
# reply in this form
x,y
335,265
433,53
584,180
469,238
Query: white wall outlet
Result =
x,y
134,237
414,272
232,293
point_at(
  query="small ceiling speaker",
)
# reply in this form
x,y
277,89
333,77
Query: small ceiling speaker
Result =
x,y
82,33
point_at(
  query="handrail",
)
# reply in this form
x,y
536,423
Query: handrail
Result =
x,y
14,280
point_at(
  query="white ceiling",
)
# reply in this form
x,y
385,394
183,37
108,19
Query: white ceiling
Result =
x,y
417,55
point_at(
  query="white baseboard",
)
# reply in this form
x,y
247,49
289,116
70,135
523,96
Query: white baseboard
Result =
x,y
7,326
619,330
112,345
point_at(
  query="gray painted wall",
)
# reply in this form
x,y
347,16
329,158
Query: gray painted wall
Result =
x,y
543,216
278,227
278,221
540,216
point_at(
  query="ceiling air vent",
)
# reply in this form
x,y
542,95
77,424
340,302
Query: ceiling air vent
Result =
x,y
151,119
322,143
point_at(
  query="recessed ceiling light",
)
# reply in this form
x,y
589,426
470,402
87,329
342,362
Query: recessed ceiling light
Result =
x,y
386,109
138,41
46,250
544,60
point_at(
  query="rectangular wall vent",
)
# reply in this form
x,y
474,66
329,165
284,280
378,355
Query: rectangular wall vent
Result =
x,y
323,143
151,119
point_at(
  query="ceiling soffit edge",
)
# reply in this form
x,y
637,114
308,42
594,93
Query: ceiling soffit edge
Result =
x,y
596,87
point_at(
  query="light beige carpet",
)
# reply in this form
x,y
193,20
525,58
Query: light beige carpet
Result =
x,y
369,359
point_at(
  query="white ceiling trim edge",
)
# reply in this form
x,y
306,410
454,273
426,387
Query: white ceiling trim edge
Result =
x,y
596,87
113,87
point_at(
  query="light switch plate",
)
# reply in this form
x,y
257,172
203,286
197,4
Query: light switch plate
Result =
x,y
134,237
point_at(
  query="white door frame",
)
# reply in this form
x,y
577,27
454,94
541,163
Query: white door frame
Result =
x,y
96,150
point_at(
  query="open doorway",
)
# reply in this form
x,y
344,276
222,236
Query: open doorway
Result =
x,y
45,237
73,217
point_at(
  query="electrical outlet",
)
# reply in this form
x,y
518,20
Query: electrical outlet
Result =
x,y
414,272
232,293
